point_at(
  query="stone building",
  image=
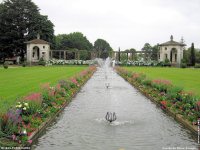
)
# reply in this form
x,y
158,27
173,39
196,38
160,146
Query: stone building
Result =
x,y
37,49
172,50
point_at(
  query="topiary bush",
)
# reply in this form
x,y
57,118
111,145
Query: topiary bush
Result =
x,y
24,64
197,66
5,65
183,65
42,62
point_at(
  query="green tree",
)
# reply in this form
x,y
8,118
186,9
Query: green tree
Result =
x,y
147,48
134,54
155,50
192,57
73,40
102,46
21,21
197,55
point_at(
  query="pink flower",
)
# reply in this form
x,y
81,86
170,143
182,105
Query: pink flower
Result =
x,y
161,81
14,137
34,97
30,141
74,81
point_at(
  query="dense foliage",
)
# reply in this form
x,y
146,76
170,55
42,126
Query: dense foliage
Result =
x,y
102,46
20,21
75,40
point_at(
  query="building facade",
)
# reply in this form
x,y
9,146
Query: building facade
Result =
x,y
172,50
37,49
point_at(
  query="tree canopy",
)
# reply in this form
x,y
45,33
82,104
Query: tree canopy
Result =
x,y
102,45
20,21
75,40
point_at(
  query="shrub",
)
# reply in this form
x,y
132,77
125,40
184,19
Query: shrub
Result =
x,y
161,85
161,63
197,66
167,63
7,127
183,65
147,82
42,62
5,65
64,84
24,64
173,93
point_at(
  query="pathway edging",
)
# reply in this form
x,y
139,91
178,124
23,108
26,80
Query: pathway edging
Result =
x,y
35,135
176,116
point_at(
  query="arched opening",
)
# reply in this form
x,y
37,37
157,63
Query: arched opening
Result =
x,y
36,53
173,55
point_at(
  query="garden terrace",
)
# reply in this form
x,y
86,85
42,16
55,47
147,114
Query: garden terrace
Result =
x,y
17,82
187,78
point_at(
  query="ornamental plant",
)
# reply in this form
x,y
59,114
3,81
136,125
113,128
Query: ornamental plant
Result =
x,y
161,85
23,106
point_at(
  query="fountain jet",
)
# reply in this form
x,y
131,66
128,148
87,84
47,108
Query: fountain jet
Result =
x,y
111,116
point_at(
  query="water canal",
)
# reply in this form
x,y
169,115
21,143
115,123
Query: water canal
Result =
x,y
140,124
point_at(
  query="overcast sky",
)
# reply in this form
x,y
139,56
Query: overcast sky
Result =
x,y
126,23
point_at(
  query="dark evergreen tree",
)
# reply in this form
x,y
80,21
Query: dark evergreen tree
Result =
x,y
21,21
192,57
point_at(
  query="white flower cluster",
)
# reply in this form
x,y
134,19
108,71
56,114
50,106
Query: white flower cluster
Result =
x,y
70,62
22,105
137,63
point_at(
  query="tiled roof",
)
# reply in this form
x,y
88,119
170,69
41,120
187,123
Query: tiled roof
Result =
x,y
173,43
37,41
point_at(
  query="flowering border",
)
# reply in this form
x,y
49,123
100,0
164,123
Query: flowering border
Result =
x,y
182,106
34,112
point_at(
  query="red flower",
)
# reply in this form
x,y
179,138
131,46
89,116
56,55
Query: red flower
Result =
x,y
163,104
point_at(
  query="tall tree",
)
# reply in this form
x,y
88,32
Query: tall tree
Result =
x,y
192,57
155,50
103,47
147,48
75,40
20,22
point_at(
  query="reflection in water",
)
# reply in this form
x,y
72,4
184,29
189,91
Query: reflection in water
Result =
x,y
140,124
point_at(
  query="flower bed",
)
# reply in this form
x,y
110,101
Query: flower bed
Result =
x,y
70,62
33,112
184,106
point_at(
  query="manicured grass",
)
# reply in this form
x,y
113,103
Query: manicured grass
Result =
x,y
188,78
17,82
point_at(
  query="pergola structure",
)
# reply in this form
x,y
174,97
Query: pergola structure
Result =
x,y
37,49
130,55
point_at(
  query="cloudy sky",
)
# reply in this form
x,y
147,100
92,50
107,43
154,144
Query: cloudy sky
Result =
x,y
126,23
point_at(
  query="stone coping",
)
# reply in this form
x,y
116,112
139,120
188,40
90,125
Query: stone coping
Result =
x,y
176,116
36,134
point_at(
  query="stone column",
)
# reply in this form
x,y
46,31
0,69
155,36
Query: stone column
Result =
x,y
59,54
64,55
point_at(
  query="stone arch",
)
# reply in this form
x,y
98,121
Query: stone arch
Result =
x,y
36,53
173,55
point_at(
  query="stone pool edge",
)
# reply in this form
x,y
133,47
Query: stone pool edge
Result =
x,y
36,134
176,116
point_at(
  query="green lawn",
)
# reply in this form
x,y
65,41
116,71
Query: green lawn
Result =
x,y
17,82
188,78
